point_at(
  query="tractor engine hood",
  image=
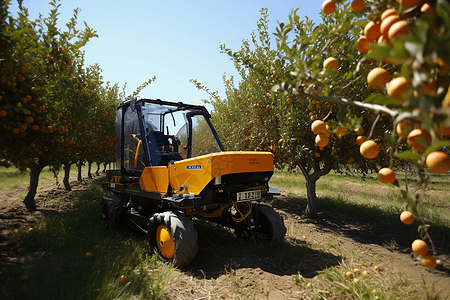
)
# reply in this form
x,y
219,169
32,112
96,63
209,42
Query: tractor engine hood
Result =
x,y
192,175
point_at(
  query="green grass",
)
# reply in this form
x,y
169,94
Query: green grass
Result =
x,y
366,199
60,270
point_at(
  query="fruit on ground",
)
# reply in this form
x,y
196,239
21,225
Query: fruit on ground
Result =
x,y
377,268
438,162
419,247
377,78
417,137
429,261
369,149
398,88
386,175
349,274
331,62
366,273
328,7
318,126
407,217
372,30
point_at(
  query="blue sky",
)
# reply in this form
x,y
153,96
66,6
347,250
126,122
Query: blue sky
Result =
x,y
173,40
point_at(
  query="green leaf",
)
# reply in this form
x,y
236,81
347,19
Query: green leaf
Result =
x,y
381,99
409,155
438,146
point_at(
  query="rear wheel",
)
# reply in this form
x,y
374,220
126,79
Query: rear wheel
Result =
x,y
271,226
173,237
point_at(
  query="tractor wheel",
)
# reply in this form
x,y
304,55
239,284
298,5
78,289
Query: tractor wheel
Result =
x,y
271,230
173,237
112,212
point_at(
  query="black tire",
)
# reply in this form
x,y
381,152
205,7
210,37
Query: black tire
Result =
x,y
271,230
178,248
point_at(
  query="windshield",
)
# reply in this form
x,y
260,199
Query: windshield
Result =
x,y
203,140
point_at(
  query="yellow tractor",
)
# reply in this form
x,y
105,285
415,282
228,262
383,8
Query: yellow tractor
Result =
x,y
164,180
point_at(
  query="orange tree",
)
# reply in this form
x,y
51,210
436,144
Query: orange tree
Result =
x,y
266,117
36,58
379,65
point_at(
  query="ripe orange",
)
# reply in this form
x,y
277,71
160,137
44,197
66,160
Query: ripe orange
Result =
x,y
398,88
360,131
377,78
363,44
429,261
429,87
386,175
358,5
331,62
387,23
88,255
328,7
322,140
2,113
340,131
398,29
377,268
438,162
360,139
407,217
388,12
372,30
349,274
419,247
418,136
426,8
318,126
406,4
403,128
369,149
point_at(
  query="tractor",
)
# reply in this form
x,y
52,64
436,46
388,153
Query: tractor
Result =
x,y
171,168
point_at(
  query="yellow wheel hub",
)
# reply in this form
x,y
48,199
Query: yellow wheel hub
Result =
x,y
164,240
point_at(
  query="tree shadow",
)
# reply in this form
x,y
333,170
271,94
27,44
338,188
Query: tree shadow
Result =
x,y
220,252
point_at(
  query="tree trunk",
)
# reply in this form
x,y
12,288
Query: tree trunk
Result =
x,y
66,177
311,206
35,171
89,170
104,167
98,169
79,165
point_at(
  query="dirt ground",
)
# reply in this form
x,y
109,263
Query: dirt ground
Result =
x,y
228,268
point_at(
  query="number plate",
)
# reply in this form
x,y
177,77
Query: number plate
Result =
x,y
249,195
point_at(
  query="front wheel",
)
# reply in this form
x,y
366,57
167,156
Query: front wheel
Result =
x,y
173,237
271,226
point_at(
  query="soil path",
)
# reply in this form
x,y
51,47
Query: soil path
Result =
x,y
228,268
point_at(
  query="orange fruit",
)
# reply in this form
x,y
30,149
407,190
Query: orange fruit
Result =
x,y
322,140
369,149
349,274
418,136
289,100
360,139
399,28
360,131
372,30
419,247
407,217
328,7
387,23
2,113
382,39
340,131
331,62
438,162
358,5
388,12
386,175
363,44
88,255
426,8
403,128
429,87
23,69
377,78
406,4
429,261
398,87
318,126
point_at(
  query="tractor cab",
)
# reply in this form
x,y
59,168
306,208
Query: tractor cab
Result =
x,y
158,133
